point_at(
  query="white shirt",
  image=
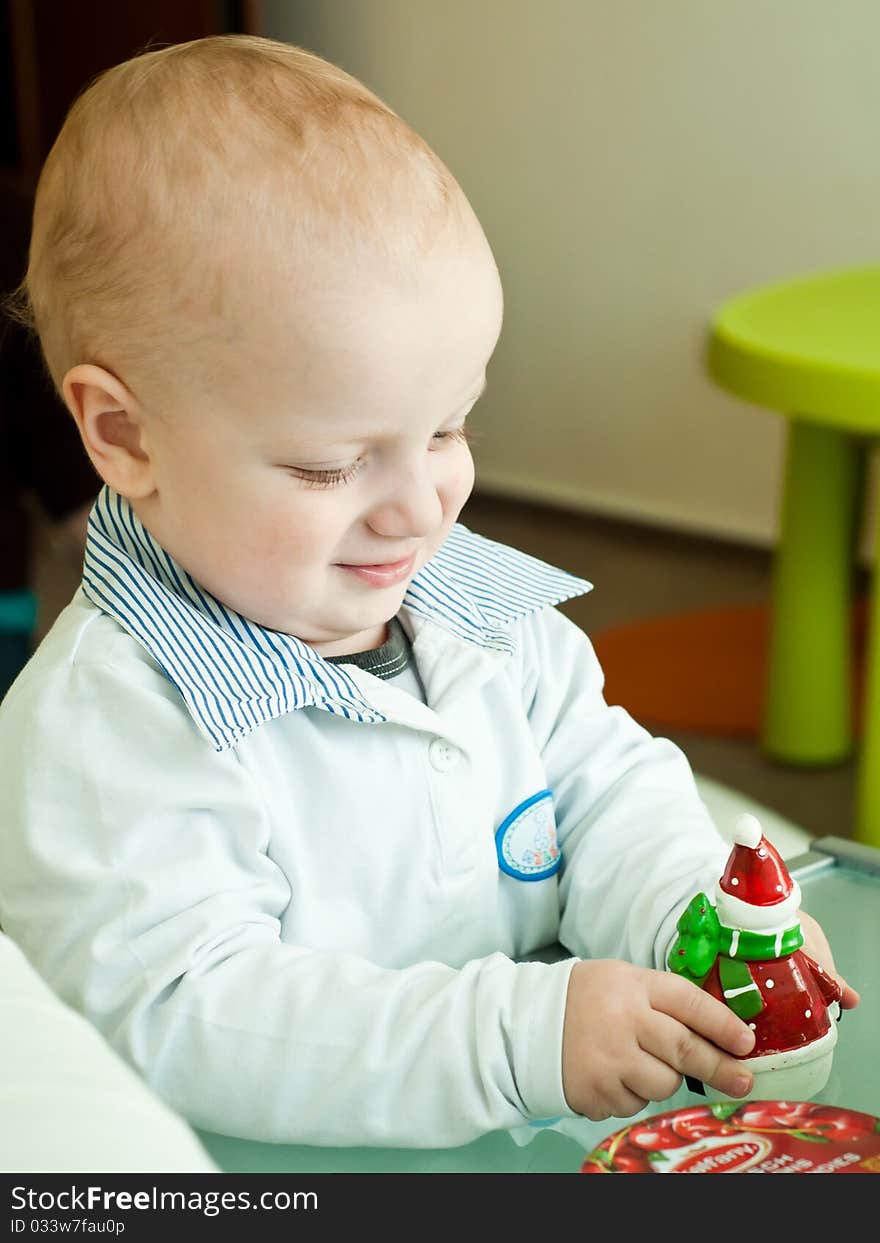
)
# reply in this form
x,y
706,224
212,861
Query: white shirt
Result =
x,y
291,894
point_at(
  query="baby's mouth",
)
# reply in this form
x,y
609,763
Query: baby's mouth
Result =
x,y
386,574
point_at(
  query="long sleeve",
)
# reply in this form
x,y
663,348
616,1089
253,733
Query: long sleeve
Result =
x,y
636,838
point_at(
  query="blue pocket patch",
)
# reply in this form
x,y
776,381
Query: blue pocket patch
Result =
x,y
526,841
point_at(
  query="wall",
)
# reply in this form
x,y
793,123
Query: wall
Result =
x,y
634,162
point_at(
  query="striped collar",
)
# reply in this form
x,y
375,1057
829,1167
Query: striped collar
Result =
x,y
234,675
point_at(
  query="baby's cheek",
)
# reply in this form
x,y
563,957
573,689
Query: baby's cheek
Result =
x,y
262,550
457,486
291,520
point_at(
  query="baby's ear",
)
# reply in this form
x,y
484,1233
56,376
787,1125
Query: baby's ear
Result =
x,y
110,423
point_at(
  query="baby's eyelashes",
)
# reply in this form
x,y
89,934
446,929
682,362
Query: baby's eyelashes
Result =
x,y
462,434
326,478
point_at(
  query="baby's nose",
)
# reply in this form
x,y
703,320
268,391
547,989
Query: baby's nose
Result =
x,y
412,509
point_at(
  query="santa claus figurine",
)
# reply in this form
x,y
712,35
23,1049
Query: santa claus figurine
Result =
x,y
746,951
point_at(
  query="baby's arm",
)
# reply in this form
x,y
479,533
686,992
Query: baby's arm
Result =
x,y
637,842
136,872
637,839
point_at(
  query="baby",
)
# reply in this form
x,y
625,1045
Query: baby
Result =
x,y
306,771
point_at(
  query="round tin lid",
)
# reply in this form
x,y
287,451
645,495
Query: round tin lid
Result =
x,y
754,1137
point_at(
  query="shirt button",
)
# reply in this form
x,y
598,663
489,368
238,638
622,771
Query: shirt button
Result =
x,y
443,757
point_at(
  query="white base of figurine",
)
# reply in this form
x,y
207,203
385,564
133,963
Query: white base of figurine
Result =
x,y
795,1075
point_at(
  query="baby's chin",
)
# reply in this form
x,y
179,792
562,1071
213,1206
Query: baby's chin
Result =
x,y
361,634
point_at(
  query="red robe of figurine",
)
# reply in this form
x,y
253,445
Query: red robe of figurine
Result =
x,y
795,993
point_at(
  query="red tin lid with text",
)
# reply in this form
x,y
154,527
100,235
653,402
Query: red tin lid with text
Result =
x,y
751,1137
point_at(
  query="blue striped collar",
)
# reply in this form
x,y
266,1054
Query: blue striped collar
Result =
x,y
234,675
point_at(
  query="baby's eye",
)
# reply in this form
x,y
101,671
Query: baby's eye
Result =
x,y
326,478
456,433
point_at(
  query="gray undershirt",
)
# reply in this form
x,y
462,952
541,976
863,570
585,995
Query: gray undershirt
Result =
x,y
392,662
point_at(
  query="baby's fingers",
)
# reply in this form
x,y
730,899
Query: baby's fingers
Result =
x,y
707,1063
850,998
689,1054
701,1013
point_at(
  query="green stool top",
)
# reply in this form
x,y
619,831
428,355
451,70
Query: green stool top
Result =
x,y
807,347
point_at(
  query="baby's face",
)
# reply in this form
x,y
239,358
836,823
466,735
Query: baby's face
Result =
x,y
312,476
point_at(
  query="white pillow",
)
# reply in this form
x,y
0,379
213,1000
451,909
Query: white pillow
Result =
x,y
68,1103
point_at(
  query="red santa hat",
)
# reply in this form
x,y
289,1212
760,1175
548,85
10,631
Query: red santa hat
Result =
x,y
756,891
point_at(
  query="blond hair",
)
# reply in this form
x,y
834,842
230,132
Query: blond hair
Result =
x,y
170,162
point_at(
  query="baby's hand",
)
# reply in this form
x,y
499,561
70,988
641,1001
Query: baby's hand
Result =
x,y
816,945
631,1033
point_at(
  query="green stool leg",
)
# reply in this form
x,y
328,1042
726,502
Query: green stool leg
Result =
x,y
808,716
867,815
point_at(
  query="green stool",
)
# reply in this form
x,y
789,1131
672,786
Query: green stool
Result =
x,y
810,348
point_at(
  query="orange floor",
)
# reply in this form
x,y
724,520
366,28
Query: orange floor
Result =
x,y
702,670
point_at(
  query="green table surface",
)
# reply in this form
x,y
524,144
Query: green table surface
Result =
x,y
840,882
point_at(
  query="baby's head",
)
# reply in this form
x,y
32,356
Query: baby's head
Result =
x,y
269,306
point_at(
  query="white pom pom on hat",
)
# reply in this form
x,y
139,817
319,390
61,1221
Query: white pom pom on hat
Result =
x,y
747,831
